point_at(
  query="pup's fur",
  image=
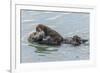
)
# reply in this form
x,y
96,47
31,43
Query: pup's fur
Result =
x,y
36,37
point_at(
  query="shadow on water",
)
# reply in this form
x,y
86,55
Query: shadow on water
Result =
x,y
43,49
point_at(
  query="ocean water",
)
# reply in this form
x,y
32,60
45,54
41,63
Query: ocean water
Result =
x,y
67,24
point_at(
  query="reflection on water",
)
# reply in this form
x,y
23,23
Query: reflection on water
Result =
x,y
43,49
66,23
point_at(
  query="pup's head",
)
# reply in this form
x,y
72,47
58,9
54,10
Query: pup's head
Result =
x,y
35,36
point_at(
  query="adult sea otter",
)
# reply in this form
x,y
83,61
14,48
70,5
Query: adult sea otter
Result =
x,y
48,36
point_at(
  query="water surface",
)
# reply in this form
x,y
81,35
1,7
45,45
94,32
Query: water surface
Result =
x,y
66,23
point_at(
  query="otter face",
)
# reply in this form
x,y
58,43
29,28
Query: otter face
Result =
x,y
32,37
36,36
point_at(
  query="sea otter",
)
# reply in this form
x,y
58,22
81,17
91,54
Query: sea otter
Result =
x,y
45,35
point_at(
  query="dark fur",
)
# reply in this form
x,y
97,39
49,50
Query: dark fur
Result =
x,y
75,40
55,37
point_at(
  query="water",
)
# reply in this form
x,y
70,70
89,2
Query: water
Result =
x,y
66,23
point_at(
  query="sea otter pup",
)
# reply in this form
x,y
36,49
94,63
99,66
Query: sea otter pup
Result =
x,y
55,37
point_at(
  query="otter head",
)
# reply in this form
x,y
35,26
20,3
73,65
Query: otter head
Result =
x,y
40,28
36,36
